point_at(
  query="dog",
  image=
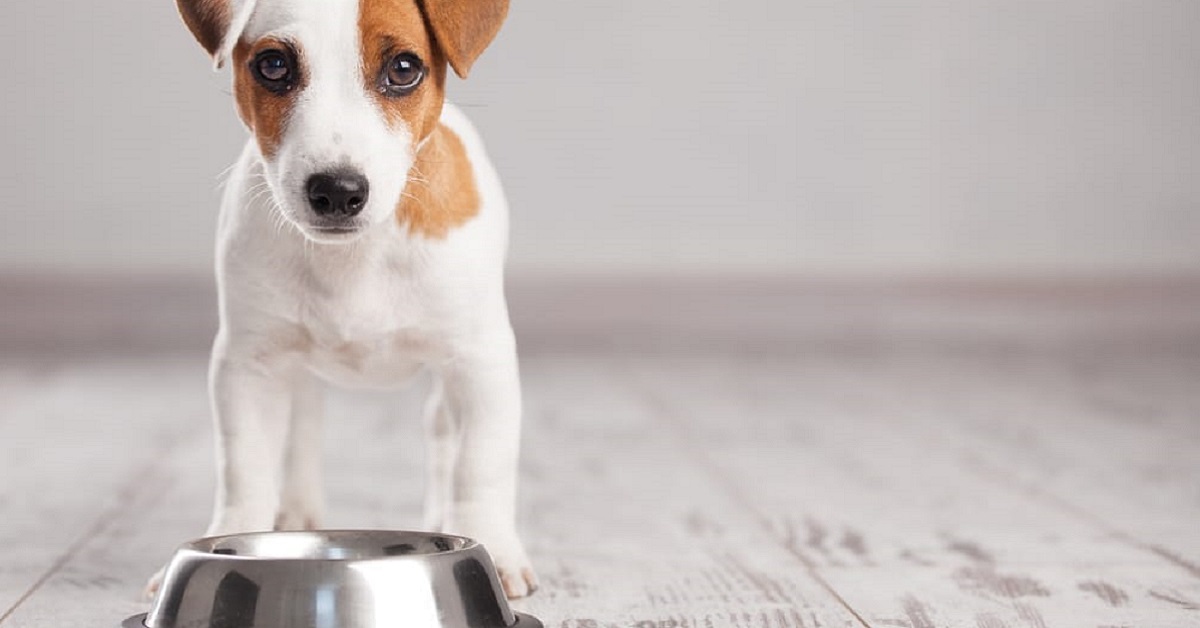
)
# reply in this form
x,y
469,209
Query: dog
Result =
x,y
361,239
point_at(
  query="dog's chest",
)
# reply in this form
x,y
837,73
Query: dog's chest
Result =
x,y
370,331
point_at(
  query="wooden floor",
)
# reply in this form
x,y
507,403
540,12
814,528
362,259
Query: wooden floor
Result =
x,y
886,482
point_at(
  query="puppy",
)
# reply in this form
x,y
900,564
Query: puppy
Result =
x,y
362,237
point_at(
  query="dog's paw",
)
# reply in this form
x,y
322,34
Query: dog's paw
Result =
x,y
299,513
513,566
518,582
297,519
507,552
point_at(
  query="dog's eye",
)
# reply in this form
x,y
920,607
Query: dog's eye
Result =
x,y
273,69
404,73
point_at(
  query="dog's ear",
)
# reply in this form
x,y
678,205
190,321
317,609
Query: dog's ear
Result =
x,y
463,28
216,24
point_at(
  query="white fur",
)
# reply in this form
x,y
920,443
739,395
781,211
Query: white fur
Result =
x,y
367,312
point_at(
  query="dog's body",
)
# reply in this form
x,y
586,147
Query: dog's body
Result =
x,y
362,238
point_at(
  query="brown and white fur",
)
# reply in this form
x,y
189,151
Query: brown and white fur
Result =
x,y
413,280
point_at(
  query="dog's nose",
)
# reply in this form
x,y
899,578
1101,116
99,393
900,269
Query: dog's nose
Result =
x,y
337,194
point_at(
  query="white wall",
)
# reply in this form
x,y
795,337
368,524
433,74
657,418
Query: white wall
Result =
x,y
814,136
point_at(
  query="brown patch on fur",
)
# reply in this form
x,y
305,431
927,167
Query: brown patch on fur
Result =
x,y
464,28
264,112
386,29
207,19
440,193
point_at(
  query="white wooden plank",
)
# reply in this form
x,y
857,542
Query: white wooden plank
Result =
x,y
1107,437
75,442
850,470
1110,437
627,533
623,530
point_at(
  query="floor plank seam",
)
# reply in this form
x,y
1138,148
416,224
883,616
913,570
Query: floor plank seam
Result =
x,y
132,490
996,476
95,529
701,459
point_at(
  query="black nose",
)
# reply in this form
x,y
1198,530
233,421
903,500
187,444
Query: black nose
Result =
x,y
337,194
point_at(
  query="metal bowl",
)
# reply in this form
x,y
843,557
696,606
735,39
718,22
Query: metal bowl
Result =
x,y
332,579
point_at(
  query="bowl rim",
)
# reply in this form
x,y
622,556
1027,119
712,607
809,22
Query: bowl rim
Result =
x,y
201,546
522,620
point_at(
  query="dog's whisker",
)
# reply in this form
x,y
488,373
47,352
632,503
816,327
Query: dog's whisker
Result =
x,y
222,178
415,173
259,196
255,193
422,182
415,200
278,217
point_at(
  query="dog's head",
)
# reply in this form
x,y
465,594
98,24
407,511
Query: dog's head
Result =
x,y
340,94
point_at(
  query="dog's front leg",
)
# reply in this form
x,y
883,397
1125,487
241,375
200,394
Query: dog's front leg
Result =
x,y
302,498
251,402
442,436
483,393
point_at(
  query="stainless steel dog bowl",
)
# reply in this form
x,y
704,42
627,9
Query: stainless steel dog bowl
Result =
x,y
332,579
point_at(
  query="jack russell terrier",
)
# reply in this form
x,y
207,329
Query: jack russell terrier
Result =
x,y
362,237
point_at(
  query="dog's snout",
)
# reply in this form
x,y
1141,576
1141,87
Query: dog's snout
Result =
x,y
337,194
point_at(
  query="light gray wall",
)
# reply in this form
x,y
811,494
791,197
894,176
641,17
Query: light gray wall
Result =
x,y
655,136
